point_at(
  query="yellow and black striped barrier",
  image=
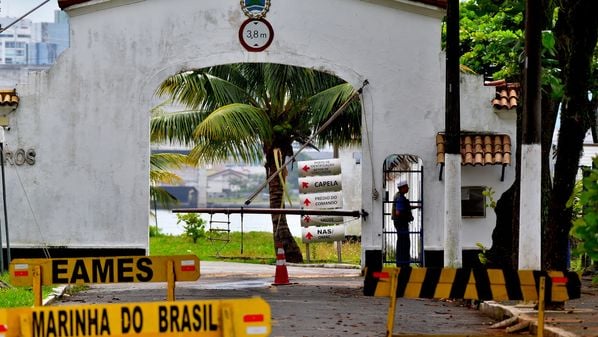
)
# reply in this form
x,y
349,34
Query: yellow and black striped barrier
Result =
x,y
468,283
472,283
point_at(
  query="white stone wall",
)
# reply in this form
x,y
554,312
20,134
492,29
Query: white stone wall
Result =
x,y
87,117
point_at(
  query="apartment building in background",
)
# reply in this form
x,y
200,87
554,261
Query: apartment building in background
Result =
x,y
33,43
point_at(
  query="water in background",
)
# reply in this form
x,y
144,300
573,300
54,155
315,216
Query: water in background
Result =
x,y
166,222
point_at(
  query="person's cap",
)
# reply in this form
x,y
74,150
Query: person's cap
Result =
x,y
402,183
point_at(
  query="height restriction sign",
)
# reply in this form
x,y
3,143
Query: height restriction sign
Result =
x,y
256,34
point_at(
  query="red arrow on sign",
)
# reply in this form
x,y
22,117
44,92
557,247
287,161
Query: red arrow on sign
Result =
x,y
307,218
308,236
307,202
305,184
306,168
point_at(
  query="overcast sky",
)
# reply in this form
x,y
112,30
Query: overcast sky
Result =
x,y
16,8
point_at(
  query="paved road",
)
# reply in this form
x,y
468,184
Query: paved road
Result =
x,y
318,302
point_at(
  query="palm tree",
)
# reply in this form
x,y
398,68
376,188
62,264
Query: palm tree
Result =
x,y
254,112
160,166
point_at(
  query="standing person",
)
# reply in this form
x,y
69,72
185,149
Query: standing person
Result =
x,y
401,216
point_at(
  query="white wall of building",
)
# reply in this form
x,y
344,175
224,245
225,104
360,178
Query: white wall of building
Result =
x,y
87,117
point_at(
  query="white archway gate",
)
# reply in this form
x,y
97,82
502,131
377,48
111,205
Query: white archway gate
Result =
x,y
87,117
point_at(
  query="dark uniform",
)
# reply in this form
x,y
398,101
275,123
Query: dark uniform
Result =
x,y
401,216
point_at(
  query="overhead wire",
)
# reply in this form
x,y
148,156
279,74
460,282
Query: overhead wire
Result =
x,y
375,193
45,250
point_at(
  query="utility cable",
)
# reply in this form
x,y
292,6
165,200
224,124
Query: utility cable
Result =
x,y
44,244
375,194
2,29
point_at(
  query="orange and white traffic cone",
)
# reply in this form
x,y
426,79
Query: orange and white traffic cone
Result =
x,y
282,276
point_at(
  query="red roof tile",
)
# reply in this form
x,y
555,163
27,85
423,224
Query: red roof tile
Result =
x,y
8,97
479,149
507,94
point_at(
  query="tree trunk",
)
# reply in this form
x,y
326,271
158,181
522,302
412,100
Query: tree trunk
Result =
x,y
504,252
500,255
280,227
576,34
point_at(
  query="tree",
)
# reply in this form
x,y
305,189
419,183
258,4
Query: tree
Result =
x,y
160,166
160,169
491,28
576,33
584,203
254,112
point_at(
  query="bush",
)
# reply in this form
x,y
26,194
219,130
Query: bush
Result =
x,y
585,226
154,231
194,226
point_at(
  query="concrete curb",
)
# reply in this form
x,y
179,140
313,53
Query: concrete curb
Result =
x,y
57,293
500,312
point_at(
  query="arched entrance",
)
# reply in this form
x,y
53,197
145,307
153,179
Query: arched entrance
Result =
x,y
87,117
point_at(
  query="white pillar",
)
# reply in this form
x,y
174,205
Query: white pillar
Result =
x,y
530,229
452,211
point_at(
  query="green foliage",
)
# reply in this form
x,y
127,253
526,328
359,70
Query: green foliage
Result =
x,y
489,194
491,37
160,166
13,297
194,226
551,73
482,255
585,227
155,231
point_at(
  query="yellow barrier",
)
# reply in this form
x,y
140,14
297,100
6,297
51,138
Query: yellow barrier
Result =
x,y
230,317
38,272
475,283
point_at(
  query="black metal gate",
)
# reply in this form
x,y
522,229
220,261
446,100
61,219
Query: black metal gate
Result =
x,y
408,167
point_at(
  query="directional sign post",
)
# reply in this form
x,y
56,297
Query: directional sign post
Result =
x,y
317,184
319,167
323,234
230,317
320,187
321,220
328,200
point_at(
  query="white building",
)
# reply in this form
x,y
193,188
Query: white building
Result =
x,y
33,43
87,117
14,40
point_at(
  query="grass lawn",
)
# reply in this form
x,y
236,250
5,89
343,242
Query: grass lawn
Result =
x,y
257,247
18,296
251,247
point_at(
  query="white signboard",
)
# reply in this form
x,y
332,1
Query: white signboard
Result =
x,y
320,184
327,200
323,234
321,220
319,167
